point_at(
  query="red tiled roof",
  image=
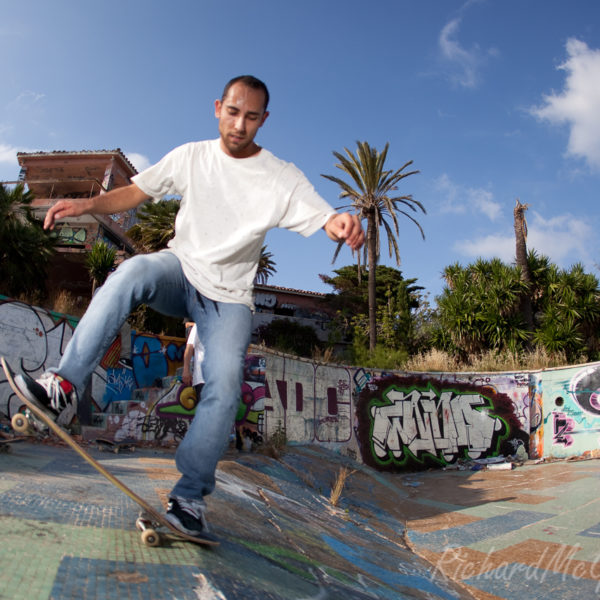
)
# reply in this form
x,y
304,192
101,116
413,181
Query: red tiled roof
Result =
x,y
79,152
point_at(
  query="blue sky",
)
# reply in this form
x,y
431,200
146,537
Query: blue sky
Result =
x,y
492,101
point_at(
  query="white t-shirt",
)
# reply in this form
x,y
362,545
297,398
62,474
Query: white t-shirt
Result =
x,y
193,340
228,205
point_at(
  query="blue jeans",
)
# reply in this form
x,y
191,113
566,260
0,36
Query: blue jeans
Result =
x,y
223,328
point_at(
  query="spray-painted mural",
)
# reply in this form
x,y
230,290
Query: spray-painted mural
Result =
x,y
34,339
402,420
419,421
571,416
388,420
164,414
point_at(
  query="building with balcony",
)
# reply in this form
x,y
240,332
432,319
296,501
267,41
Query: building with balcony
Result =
x,y
60,174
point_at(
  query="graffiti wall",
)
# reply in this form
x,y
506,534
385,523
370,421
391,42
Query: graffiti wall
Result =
x,y
422,421
571,410
34,339
164,414
409,420
391,421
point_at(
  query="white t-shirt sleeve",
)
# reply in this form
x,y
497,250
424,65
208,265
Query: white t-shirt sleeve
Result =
x,y
306,211
159,179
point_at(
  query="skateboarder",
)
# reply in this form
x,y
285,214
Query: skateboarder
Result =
x,y
233,191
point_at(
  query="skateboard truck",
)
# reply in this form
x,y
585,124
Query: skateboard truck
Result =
x,y
24,422
150,536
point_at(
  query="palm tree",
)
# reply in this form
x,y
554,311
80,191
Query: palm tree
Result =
x,y
100,261
371,198
156,225
266,266
25,248
520,225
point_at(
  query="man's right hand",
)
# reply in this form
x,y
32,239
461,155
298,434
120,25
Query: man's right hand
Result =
x,y
63,209
116,201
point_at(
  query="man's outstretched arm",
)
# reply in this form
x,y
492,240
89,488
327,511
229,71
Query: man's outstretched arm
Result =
x,y
345,227
117,200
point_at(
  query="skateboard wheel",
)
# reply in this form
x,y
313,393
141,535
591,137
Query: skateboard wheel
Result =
x,y
20,423
150,537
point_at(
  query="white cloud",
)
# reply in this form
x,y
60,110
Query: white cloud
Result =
x,y
9,166
8,154
489,246
462,65
139,161
460,199
564,239
25,100
483,201
578,105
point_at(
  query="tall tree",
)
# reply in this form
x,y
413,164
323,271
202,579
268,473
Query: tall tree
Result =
x,y
25,248
397,300
520,225
371,195
100,261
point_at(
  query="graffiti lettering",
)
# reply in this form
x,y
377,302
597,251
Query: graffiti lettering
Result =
x,y
361,378
419,422
563,426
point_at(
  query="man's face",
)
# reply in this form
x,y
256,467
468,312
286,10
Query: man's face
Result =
x,y
240,114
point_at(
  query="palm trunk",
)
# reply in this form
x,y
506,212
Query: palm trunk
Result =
x,y
372,257
521,260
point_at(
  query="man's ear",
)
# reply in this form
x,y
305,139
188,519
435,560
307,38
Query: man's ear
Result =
x,y
218,106
264,117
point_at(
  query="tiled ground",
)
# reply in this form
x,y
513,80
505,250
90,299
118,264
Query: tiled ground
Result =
x,y
530,533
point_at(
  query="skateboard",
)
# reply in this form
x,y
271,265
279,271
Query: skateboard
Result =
x,y
6,442
114,446
149,519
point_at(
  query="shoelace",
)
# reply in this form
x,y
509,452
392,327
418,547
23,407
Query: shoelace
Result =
x,y
51,384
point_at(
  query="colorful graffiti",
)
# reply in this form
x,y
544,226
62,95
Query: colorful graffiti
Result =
x,y
410,421
164,414
571,415
406,421
34,339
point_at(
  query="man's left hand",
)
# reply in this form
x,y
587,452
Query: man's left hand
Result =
x,y
345,227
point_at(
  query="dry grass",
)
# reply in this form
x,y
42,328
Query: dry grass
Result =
x,y
275,444
338,486
490,361
323,356
64,302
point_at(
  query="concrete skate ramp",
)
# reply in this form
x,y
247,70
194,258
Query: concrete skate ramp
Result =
x,y
67,533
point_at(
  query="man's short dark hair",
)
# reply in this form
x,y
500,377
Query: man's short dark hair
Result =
x,y
250,81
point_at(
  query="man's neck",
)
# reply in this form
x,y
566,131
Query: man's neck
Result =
x,y
247,152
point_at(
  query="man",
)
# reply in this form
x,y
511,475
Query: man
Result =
x,y
233,191
192,361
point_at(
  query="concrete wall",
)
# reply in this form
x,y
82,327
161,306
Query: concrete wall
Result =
x,y
34,339
391,421
399,420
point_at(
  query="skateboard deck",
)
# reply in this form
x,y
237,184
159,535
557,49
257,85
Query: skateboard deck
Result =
x,y
115,446
149,518
6,442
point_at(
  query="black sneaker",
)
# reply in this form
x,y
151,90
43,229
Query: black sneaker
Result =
x,y
51,393
187,515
